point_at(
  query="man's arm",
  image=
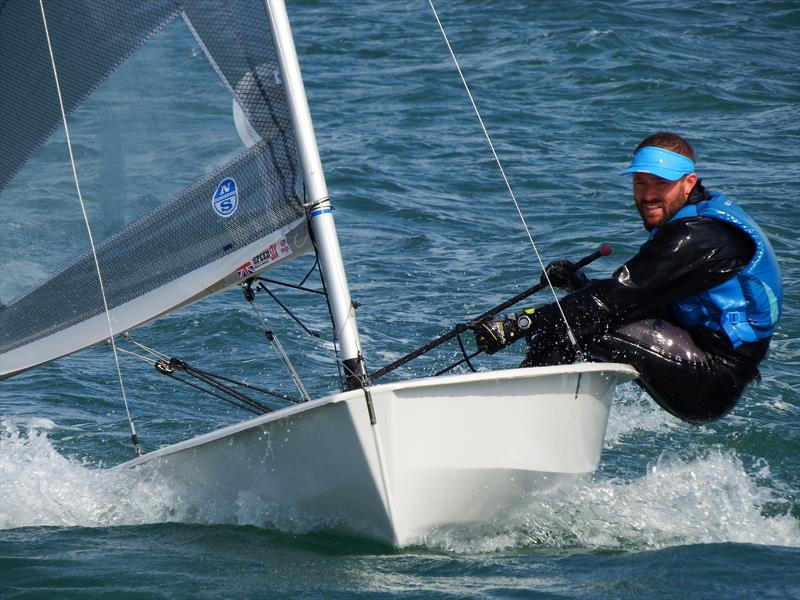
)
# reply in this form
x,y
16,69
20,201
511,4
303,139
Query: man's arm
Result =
x,y
685,257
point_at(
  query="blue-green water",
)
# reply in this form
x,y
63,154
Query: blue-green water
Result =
x,y
430,238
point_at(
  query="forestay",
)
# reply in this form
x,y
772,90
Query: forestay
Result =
x,y
242,217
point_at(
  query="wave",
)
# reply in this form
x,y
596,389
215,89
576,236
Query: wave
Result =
x,y
677,501
711,499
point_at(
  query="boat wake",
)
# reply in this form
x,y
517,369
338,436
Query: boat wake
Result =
x,y
677,501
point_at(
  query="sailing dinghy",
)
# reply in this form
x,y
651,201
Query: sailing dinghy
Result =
x,y
390,460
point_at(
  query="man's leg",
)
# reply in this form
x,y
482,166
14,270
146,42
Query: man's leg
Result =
x,y
690,383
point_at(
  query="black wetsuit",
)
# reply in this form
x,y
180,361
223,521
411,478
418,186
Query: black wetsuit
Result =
x,y
697,375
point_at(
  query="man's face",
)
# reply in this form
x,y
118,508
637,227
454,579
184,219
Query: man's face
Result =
x,y
659,199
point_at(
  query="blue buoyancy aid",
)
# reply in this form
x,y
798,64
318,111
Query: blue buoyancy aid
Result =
x,y
747,306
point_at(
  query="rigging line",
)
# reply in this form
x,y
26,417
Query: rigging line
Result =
x,y
235,394
134,437
189,369
167,366
273,339
310,271
265,391
218,396
137,355
127,337
291,285
570,334
236,398
261,286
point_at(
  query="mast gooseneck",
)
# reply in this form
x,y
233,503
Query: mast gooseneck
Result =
x,y
321,211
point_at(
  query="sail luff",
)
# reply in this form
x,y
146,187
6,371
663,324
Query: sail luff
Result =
x,y
321,211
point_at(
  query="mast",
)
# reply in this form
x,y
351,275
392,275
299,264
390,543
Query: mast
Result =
x,y
321,211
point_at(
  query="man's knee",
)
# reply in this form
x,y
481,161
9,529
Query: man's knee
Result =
x,y
680,377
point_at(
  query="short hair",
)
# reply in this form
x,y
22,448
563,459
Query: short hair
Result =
x,y
669,141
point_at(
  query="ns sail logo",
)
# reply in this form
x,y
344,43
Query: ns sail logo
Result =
x,y
226,198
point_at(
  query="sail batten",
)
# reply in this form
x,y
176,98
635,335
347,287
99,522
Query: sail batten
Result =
x,y
243,217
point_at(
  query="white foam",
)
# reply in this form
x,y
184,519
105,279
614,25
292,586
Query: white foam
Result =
x,y
711,499
705,499
633,411
41,487
40,423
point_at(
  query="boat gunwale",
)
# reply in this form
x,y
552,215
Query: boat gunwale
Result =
x,y
288,411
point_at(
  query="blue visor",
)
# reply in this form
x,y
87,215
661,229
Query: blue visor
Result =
x,y
661,163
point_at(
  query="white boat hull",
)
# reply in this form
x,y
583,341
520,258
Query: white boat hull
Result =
x,y
456,449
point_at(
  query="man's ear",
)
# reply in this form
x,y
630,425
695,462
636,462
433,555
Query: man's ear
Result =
x,y
689,181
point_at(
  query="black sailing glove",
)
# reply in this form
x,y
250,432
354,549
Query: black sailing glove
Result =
x,y
492,335
565,276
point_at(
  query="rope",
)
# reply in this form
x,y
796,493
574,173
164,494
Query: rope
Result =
x,y
238,398
570,334
137,355
310,271
134,437
168,365
273,339
126,336
244,405
262,286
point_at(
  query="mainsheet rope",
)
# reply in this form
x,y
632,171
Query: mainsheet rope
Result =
x,y
570,334
134,437
217,385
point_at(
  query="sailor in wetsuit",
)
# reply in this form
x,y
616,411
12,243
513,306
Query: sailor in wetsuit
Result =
x,y
693,311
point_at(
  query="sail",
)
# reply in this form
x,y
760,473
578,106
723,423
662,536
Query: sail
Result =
x,y
241,217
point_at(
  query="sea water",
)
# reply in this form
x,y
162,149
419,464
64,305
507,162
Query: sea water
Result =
x,y
430,238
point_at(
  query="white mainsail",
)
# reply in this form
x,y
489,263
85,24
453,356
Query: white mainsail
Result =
x,y
243,217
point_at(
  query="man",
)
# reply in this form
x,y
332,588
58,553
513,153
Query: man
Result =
x,y
693,311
